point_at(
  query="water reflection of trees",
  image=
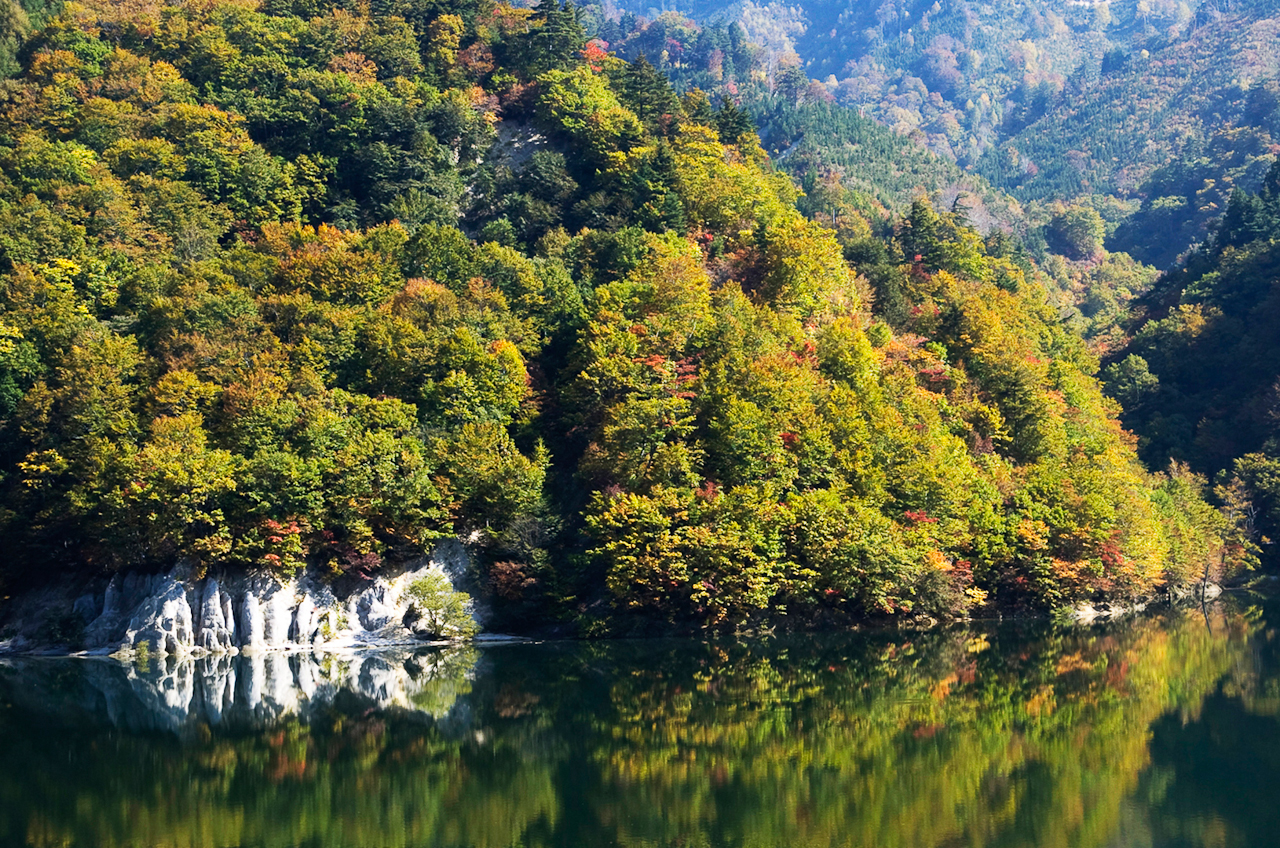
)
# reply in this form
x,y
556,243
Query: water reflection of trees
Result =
x,y
1214,771
953,737
946,740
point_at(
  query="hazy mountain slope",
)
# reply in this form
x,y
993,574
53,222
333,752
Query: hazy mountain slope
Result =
x,y
1165,105
1109,134
1180,200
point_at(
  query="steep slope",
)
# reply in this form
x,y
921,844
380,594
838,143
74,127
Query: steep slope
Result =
x,y
1108,134
292,285
1199,379
876,163
801,126
1164,106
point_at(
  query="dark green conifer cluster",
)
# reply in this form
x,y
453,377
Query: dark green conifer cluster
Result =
x,y
1199,378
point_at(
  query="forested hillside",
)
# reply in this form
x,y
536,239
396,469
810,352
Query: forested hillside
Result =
x,y
800,122
1151,111
852,168
1199,378
314,283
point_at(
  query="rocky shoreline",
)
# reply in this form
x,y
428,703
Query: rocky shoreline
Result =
x,y
1198,592
181,614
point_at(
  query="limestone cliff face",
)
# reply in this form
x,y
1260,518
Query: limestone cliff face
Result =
x,y
177,615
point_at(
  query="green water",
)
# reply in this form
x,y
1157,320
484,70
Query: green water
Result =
x,y
1159,732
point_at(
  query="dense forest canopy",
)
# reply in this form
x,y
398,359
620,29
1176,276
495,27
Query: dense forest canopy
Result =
x,y
308,282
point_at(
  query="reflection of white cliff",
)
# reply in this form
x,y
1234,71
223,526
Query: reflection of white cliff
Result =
x,y
258,689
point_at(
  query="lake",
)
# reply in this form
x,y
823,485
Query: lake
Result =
x,y
1160,731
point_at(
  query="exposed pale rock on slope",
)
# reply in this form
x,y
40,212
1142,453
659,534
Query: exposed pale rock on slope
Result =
x,y
174,614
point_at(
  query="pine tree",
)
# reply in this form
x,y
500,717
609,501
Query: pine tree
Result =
x,y
732,123
647,93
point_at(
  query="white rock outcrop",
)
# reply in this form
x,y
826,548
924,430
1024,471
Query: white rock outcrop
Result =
x,y
176,615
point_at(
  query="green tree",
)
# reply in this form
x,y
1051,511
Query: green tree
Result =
x,y
1076,232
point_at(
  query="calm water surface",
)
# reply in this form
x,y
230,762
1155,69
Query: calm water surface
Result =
x,y
1159,732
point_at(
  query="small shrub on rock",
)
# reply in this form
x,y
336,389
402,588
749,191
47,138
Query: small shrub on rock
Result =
x,y
441,611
